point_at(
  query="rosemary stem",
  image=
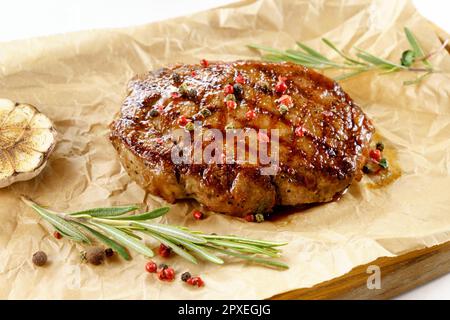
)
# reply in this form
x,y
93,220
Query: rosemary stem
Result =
x,y
113,222
421,69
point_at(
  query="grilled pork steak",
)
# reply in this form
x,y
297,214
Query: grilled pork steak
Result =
x,y
323,134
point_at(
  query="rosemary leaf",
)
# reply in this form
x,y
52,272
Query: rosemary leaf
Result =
x,y
311,59
166,230
124,239
260,243
145,216
121,250
413,43
66,235
286,55
380,62
199,250
64,226
343,55
273,58
180,251
105,212
129,232
263,261
244,247
312,52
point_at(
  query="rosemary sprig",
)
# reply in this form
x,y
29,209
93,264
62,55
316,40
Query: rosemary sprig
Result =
x,y
120,231
413,60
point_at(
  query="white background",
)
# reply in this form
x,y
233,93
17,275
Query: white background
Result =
x,y
23,19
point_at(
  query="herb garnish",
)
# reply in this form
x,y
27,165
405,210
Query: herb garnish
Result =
x,y
362,62
119,231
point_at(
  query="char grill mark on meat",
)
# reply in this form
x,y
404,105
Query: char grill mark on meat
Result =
x,y
315,166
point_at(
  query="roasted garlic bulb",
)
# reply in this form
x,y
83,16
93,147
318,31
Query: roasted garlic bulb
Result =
x,y
27,138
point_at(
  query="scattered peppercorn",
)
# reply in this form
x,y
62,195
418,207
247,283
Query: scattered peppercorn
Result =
x,y
239,79
285,100
176,77
204,63
380,146
109,253
39,258
238,91
169,273
151,267
163,266
383,163
205,112
259,217
182,121
231,105
250,115
95,255
250,217
228,89
230,97
153,113
299,131
263,86
375,155
283,109
198,215
164,251
57,235
175,95
189,126
193,73
281,86
166,274
187,91
195,281
185,276
366,170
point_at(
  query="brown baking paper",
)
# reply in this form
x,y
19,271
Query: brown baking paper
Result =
x,y
79,81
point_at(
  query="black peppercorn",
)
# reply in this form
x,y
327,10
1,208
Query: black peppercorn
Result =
x,y
163,266
153,113
109,252
95,255
380,146
238,91
263,86
366,170
39,258
187,91
176,77
191,93
186,276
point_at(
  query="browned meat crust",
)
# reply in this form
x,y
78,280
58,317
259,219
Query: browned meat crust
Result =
x,y
314,166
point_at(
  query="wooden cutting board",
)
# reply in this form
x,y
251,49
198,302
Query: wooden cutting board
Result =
x,y
398,274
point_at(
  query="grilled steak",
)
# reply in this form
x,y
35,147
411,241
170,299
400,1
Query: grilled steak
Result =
x,y
323,134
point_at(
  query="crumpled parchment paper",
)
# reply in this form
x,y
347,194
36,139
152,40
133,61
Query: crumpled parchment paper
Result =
x,y
79,81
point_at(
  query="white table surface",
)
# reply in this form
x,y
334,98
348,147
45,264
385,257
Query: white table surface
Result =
x,y
24,19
